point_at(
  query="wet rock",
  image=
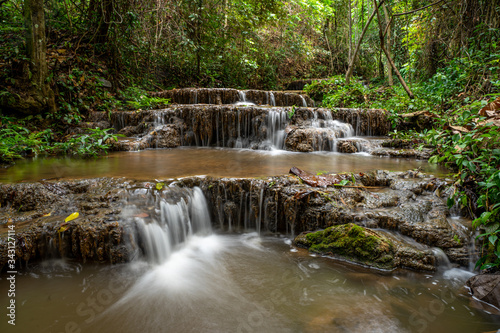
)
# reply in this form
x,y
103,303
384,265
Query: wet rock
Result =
x,y
486,287
347,147
166,137
317,180
365,246
232,96
311,139
424,154
252,126
351,242
135,130
406,203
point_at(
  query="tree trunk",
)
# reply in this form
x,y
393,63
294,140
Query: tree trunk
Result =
x,y
388,22
382,46
36,51
349,56
353,58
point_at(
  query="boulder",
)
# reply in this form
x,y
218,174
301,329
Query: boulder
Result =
x,y
365,246
486,288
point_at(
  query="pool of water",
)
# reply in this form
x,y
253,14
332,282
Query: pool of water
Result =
x,y
240,283
222,162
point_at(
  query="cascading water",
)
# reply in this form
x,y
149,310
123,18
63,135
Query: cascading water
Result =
x,y
276,124
304,103
273,100
176,215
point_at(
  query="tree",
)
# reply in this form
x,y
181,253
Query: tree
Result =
x,y
41,96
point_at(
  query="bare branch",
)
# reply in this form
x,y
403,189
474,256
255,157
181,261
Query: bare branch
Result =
x,y
418,9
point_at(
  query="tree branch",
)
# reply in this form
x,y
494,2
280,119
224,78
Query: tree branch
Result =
x,y
387,54
351,61
418,9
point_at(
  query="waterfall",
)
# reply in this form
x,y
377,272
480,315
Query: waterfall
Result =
x,y
304,103
242,96
276,124
273,100
178,215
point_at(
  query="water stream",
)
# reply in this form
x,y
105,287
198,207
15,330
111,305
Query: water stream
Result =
x,y
240,283
221,162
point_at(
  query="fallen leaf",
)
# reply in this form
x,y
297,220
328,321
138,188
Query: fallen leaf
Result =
x,y
48,214
493,106
141,215
72,217
63,227
459,128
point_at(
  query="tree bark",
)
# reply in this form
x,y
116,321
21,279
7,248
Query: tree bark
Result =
x,y
388,23
353,58
350,33
36,51
382,46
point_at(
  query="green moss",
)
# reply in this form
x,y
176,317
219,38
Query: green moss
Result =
x,y
354,243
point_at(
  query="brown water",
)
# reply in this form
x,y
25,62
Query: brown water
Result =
x,y
240,283
182,162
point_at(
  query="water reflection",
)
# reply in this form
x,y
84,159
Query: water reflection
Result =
x,y
182,162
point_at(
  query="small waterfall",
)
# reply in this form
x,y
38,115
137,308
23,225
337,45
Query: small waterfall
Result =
x,y
441,257
276,124
178,214
273,100
242,96
304,103
243,99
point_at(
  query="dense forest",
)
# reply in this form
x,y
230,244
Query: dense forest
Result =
x,y
432,65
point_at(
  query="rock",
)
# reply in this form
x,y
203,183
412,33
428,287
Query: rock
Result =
x,y
403,202
231,96
424,154
346,147
365,246
166,137
227,125
486,287
317,180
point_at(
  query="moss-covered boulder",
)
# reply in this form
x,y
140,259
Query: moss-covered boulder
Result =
x,y
365,246
353,243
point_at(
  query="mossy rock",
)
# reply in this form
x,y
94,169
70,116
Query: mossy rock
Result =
x,y
353,243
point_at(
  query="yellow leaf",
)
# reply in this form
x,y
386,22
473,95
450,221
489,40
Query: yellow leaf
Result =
x,y
71,217
63,227
48,214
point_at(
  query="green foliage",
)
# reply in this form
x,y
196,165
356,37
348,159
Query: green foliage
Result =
x,y
136,98
17,141
90,144
475,155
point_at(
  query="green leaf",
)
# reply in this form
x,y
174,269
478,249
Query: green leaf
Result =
x,y
342,183
493,239
159,186
433,159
